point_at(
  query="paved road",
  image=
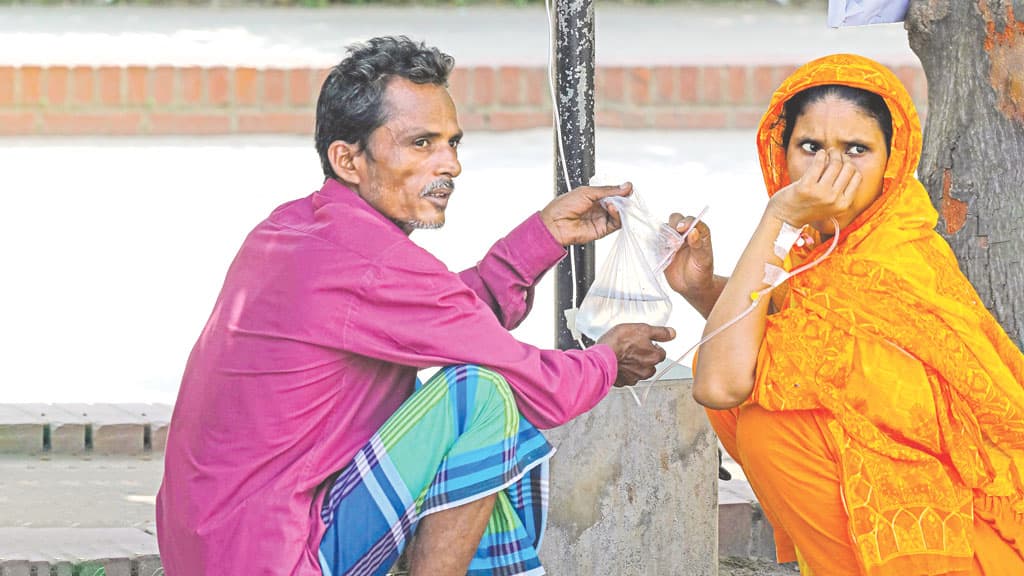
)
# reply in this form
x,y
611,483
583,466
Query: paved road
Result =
x,y
480,35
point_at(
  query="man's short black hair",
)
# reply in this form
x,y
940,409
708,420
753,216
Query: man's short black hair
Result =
x,y
351,102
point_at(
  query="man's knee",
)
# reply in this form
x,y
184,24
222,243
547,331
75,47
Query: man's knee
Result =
x,y
483,390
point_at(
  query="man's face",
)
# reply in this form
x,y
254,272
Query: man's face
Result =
x,y
408,167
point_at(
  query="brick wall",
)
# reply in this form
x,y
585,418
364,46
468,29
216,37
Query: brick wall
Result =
x,y
192,100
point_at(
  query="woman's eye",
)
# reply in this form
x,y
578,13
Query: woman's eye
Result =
x,y
856,150
810,147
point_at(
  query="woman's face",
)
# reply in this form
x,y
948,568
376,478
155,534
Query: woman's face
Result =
x,y
841,127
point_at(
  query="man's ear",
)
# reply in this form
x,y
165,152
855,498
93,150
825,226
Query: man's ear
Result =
x,y
347,160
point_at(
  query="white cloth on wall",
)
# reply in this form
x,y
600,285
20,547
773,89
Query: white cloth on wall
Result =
x,y
861,12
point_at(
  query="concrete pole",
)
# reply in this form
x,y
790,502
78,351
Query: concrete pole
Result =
x,y
574,79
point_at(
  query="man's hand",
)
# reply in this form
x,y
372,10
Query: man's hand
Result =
x,y
635,351
578,216
692,270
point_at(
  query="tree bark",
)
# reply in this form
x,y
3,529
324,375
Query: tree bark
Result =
x,y
972,52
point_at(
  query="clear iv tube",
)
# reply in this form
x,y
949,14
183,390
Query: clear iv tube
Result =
x,y
753,306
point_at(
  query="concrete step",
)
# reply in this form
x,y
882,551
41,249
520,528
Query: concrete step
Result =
x,y
71,428
78,551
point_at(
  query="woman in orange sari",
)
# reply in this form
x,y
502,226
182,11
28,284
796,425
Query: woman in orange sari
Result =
x,y
877,409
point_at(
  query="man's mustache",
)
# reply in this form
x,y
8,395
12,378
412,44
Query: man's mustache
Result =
x,y
439,184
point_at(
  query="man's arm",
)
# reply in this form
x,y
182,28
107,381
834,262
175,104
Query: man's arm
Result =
x,y
408,309
505,278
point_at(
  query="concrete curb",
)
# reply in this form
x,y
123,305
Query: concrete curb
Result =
x,y
79,428
78,552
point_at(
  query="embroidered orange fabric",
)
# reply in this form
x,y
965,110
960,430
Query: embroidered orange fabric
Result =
x,y
887,335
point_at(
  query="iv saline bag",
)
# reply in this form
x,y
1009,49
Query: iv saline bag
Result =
x,y
629,288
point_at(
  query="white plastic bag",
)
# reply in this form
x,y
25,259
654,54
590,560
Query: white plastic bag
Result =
x,y
629,288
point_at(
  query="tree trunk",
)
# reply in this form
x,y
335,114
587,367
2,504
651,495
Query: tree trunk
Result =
x,y
972,52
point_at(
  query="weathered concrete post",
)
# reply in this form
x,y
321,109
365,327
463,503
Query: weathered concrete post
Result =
x,y
634,491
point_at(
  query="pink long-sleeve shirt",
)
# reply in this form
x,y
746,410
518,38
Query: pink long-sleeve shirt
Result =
x,y
326,314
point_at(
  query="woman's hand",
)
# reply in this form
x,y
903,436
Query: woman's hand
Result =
x,y
692,269
825,190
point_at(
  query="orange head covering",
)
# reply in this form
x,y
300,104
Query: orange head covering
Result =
x,y
889,338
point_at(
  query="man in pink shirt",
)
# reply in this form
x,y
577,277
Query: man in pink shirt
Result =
x,y
297,444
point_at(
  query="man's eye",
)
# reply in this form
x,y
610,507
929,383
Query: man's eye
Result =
x,y
454,143
421,143
810,147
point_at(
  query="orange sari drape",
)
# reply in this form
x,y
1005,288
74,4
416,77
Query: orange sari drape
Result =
x,y
921,387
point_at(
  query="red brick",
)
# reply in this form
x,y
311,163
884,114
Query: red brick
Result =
x,y
737,80
276,123
711,84
503,120
764,84
319,77
110,85
191,81
246,85
610,85
640,86
273,86
783,72
300,86
164,123
83,85
56,85
7,75
164,85
458,86
472,120
689,80
137,80
620,119
509,88
31,85
747,118
538,91
100,124
483,86
664,85
218,86
17,123
694,119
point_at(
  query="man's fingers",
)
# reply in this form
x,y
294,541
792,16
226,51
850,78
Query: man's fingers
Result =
x,y
596,193
661,333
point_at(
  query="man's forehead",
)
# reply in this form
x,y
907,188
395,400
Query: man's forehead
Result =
x,y
417,107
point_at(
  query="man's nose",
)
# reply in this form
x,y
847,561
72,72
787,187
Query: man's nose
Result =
x,y
449,164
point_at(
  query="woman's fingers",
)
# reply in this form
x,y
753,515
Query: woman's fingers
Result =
x,y
842,181
833,166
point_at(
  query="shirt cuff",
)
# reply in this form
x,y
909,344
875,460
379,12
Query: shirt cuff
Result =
x,y
535,248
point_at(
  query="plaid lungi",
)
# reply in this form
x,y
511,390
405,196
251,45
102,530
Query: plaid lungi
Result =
x,y
459,438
